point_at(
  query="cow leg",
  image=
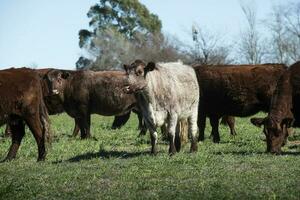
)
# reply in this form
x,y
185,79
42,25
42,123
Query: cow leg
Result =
x,y
119,121
84,124
153,136
76,128
231,121
7,132
201,124
177,137
36,128
142,125
17,134
214,122
171,133
192,122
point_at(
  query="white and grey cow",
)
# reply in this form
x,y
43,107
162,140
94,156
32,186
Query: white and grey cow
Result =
x,y
166,93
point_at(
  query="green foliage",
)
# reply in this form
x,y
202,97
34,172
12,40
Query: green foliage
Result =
x,y
129,17
117,165
123,31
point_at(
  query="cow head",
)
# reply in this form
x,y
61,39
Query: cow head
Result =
x,y
276,131
136,74
56,81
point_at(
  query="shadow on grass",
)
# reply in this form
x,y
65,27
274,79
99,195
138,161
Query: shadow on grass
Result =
x,y
103,154
251,153
246,153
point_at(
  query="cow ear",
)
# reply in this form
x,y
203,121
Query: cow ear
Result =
x,y
65,74
257,121
150,67
288,122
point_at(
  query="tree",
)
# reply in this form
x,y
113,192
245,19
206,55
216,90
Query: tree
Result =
x,y
292,26
278,38
284,25
83,62
250,46
209,48
126,19
112,49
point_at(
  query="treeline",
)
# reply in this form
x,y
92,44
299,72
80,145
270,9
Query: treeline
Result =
x,y
121,31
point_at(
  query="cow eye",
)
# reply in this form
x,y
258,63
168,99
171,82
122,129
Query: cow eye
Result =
x,y
139,72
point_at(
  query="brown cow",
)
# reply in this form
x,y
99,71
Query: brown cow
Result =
x,y
22,100
83,93
55,106
234,90
284,111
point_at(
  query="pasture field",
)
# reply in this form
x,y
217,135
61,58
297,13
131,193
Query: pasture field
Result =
x,y
117,165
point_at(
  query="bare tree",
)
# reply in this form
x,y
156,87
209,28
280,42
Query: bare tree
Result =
x,y
278,41
292,25
209,48
284,25
112,49
250,46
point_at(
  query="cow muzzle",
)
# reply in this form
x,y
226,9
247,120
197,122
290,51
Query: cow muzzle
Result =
x,y
55,92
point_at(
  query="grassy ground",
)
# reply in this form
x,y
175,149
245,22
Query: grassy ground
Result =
x,y
117,165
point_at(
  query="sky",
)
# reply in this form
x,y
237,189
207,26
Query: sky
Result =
x,y
41,34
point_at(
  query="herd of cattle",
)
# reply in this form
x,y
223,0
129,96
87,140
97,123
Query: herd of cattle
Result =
x,y
161,94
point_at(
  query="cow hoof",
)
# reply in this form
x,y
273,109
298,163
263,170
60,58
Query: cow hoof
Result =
x,y
84,137
5,160
153,152
194,148
217,140
201,139
276,152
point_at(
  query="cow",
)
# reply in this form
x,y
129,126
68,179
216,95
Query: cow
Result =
x,y
21,100
85,92
166,93
284,111
234,90
54,106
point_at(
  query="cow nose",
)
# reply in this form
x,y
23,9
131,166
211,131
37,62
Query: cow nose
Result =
x,y
55,91
127,89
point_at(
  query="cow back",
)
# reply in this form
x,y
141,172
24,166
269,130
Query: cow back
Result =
x,y
238,90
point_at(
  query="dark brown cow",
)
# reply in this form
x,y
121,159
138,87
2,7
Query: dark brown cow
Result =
x,y
284,111
55,106
83,93
234,90
21,100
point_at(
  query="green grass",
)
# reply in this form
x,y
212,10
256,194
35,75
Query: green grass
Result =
x,y
117,165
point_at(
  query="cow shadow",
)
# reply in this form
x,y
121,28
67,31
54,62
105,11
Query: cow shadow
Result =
x,y
103,154
252,153
243,153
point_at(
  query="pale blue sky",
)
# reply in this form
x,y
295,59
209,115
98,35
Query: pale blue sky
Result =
x,y
45,33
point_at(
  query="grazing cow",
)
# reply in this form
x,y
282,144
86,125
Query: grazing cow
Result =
x,y
22,101
234,90
166,93
284,111
83,93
